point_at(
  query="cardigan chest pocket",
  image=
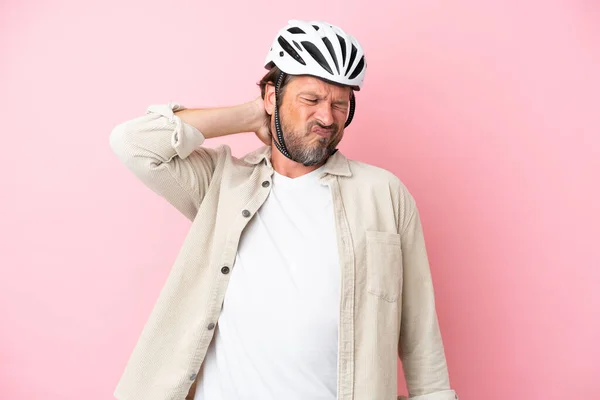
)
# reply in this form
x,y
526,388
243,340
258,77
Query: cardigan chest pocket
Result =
x,y
384,264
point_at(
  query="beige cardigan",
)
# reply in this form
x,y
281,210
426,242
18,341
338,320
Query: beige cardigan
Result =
x,y
387,306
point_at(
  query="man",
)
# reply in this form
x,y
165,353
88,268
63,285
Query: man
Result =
x,y
304,274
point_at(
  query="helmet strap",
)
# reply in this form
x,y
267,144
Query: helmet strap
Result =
x,y
280,143
352,109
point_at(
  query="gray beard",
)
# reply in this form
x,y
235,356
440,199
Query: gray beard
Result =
x,y
300,152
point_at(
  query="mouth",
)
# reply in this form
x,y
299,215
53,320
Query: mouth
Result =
x,y
326,133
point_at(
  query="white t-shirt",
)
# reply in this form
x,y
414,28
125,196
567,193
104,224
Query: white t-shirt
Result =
x,y
277,335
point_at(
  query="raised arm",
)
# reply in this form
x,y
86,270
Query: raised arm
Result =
x,y
163,147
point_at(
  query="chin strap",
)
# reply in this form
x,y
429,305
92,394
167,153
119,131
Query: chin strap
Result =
x,y
280,143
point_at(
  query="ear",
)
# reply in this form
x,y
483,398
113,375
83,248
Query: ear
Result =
x,y
270,98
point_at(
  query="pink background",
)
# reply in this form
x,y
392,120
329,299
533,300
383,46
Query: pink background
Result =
x,y
488,111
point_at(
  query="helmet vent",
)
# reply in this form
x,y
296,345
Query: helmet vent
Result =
x,y
316,54
290,50
352,57
331,52
359,68
343,46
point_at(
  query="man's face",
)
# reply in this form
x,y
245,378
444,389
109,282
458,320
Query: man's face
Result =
x,y
312,115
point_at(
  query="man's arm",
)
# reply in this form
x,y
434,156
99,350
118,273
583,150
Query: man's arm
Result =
x,y
163,147
420,346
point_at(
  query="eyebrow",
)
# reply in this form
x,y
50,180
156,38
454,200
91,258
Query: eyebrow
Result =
x,y
310,93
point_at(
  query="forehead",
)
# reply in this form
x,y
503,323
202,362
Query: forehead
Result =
x,y
317,86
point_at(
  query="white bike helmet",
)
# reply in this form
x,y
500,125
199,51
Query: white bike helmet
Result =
x,y
319,49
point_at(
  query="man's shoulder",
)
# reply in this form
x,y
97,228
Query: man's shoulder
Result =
x,y
378,181
366,173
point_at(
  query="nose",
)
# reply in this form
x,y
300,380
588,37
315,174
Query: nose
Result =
x,y
324,114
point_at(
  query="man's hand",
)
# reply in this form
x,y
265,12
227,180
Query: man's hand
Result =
x,y
263,129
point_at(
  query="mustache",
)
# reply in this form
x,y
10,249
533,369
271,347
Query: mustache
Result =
x,y
334,127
